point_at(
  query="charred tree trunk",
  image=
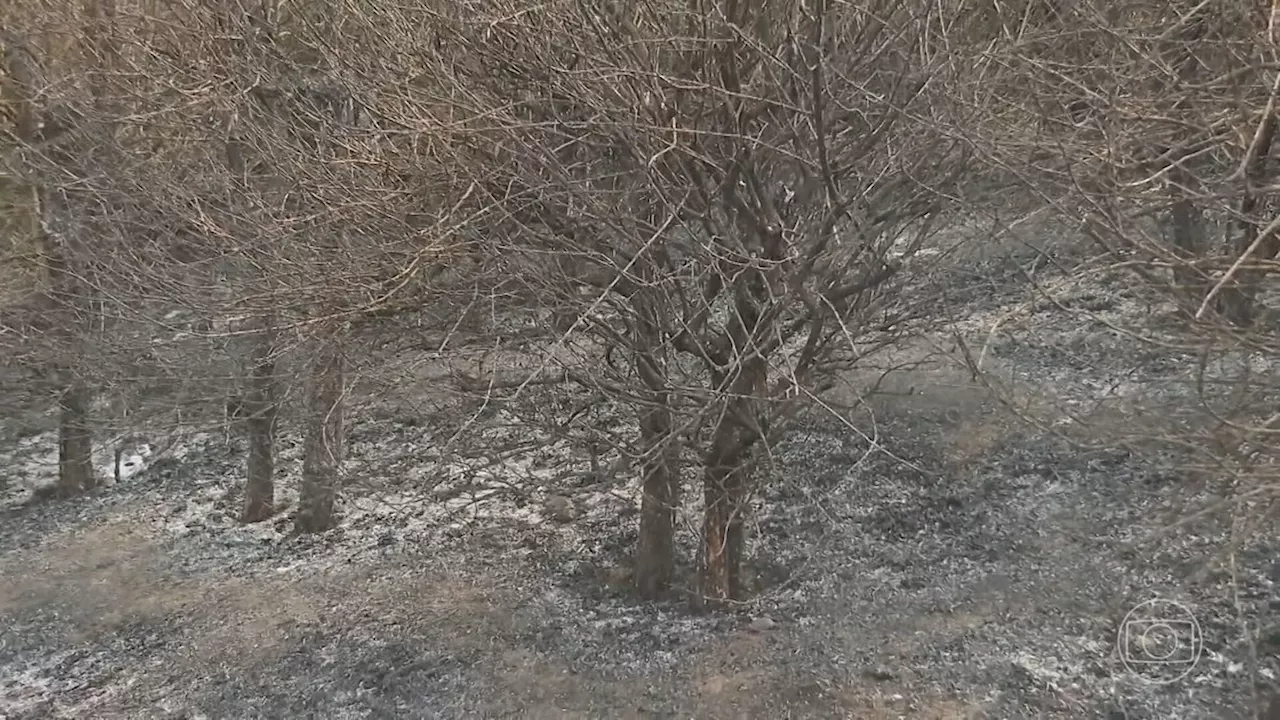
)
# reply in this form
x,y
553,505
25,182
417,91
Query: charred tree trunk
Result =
x,y
725,487
1184,230
75,437
69,302
323,446
738,429
655,548
257,409
260,423
723,490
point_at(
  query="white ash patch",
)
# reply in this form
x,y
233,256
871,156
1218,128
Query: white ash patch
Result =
x,y
618,637
30,465
129,464
385,506
64,684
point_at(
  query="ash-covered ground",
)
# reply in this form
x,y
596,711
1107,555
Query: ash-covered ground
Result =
x,y
927,556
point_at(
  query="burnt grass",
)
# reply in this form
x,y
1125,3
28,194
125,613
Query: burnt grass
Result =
x,y
927,556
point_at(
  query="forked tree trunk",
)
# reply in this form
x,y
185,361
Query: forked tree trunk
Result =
x,y
260,423
323,446
655,547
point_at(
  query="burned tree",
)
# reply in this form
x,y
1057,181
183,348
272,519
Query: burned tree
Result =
x,y
1172,178
303,211
325,436
246,42
46,142
719,185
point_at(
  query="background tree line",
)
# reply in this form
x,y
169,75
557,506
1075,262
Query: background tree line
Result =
x,y
713,209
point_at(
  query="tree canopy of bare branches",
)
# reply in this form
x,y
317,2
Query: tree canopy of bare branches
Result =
x,y
710,193
1152,128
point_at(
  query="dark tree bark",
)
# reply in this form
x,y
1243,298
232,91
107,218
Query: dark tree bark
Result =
x,y
324,443
75,438
260,423
1186,216
722,539
68,296
739,427
257,409
655,549
72,303
725,488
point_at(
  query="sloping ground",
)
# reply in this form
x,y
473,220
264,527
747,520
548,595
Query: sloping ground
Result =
x,y
955,565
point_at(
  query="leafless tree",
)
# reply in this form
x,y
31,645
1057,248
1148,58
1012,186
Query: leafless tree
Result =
x,y
1171,174
51,150
708,197
714,205
1169,169
260,190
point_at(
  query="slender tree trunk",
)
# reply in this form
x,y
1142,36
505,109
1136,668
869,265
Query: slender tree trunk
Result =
x,y
75,437
723,490
655,548
260,412
69,299
1186,233
725,487
72,303
258,407
323,446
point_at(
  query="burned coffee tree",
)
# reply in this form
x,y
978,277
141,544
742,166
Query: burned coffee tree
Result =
x,y
318,212
56,138
99,134
705,197
1155,136
262,195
